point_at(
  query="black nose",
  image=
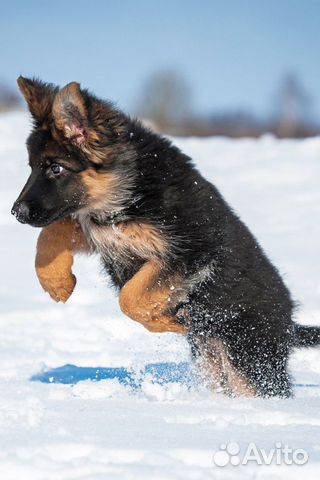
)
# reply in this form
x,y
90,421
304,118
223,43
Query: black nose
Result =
x,y
21,211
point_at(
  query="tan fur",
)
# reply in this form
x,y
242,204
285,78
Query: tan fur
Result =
x,y
102,189
120,242
143,236
218,370
127,238
147,297
56,246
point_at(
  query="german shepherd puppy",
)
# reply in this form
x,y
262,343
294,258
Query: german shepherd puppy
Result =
x,y
181,259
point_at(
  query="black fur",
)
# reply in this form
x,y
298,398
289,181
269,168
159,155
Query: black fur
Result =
x,y
243,300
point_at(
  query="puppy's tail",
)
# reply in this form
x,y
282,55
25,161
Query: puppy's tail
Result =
x,y
306,336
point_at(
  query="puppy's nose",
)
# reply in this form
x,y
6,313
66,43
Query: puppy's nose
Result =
x,y
21,211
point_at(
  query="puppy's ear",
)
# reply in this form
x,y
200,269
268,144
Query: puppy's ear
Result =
x,y
39,97
70,114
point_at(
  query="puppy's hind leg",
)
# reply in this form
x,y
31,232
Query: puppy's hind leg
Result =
x,y
216,368
263,362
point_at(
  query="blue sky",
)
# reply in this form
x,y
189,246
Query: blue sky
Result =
x,y
232,52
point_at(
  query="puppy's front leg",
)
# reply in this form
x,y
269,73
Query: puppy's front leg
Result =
x,y
56,246
147,298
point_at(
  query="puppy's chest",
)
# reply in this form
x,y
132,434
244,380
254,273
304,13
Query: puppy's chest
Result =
x,y
125,241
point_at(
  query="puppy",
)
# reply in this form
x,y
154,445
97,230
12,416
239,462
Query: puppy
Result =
x,y
180,258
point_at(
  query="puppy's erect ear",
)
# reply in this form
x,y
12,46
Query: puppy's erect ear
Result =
x,y
39,97
71,119
70,113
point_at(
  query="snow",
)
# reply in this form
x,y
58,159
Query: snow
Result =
x,y
93,431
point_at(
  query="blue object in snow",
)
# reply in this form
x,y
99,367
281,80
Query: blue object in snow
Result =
x,y
159,373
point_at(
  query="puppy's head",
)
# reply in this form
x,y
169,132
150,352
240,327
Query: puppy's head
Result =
x,y
73,149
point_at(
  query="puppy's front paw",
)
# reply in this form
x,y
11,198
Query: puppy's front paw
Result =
x,y
59,288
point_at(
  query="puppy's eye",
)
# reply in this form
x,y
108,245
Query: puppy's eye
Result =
x,y
56,169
